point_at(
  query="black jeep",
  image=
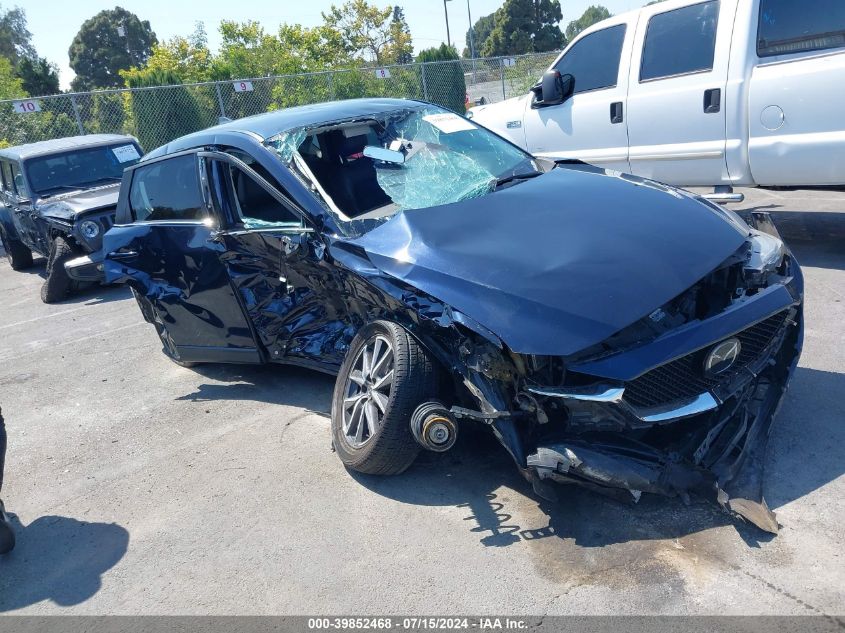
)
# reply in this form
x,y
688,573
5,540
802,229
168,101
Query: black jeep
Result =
x,y
57,198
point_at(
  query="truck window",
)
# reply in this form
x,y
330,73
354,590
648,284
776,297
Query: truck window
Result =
x,y
594,59
17,179
167,190
5,176
680,41
787,26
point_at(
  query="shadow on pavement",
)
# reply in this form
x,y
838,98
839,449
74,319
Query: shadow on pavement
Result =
x,y
274,384
58,559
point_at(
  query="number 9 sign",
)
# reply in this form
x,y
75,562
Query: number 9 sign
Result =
x,y
26,107
243,86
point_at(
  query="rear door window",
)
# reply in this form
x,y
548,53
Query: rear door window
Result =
x,y
789,26
167,191
594,59
680,42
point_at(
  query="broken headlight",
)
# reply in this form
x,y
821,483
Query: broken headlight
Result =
x,y
89,229
766,254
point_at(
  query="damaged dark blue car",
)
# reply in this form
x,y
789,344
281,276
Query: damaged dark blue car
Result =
x,y
611,331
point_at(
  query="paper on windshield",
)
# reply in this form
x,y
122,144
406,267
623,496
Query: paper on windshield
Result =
x,y
448,123
125,153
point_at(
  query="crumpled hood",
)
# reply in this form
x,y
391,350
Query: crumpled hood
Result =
x,y
69,205
560,262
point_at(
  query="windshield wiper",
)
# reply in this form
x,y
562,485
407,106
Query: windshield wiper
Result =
x,y
52,191
514,177
91,183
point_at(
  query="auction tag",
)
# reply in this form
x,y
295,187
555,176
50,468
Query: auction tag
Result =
x,y
382,73
243,86
448,122
27,106
125,153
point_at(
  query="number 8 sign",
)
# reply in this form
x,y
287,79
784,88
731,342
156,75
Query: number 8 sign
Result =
x,y
25,107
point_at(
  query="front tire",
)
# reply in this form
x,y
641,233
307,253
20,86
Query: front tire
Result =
x,y
385,376
58,284
19,256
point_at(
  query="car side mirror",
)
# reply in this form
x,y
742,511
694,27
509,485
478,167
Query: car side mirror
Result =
x,y
555,88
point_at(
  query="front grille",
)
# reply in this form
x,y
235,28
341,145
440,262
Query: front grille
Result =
x,y
684,378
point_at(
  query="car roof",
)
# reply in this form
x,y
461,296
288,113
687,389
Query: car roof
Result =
x,y
270,124
55,146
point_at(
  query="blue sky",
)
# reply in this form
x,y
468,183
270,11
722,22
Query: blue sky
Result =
x,y
54,24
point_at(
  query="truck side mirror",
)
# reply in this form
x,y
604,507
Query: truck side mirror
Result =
x,y
555,88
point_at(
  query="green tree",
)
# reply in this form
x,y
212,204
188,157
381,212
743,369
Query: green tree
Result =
x,y
99,52
187,57
15,38
163,115
445,83
368,33
480,32
593,14
400,50
525,26
39,77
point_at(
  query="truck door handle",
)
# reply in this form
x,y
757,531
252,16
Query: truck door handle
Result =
x,y
712,100
616,112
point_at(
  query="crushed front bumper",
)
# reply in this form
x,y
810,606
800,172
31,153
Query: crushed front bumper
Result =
x,y
710,443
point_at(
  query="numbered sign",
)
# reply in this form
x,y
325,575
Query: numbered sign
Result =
x,y
383,73
243,86
25,107
509,61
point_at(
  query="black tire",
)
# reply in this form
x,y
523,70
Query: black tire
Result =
x,y
392,448
58,284
19,256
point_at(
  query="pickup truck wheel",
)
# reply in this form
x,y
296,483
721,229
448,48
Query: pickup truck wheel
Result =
x,y
58,284
384,378
19,256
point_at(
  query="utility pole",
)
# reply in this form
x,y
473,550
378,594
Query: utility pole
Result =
x,y
446,11
471,33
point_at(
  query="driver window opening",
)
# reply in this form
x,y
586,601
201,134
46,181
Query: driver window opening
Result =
x,y
247,201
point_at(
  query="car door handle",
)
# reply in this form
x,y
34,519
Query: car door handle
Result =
x,y
616,115
119,255
712,100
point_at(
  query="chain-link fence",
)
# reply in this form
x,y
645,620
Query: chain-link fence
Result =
x,y
158,115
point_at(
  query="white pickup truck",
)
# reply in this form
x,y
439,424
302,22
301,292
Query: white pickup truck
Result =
x,y
716,93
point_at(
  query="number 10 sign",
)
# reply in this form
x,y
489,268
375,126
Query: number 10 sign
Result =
x,y
25,107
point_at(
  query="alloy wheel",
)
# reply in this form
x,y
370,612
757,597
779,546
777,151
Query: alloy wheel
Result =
x,y
367,391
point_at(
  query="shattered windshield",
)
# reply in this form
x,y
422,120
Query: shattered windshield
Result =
x,y
369,169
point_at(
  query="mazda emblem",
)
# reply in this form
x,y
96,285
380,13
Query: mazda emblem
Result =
x,y
722,357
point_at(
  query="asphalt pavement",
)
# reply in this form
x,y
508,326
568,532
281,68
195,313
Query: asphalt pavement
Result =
x,y
139,487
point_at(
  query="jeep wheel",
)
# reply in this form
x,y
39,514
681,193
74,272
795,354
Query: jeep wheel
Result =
x,y
58,284
385,376
19,256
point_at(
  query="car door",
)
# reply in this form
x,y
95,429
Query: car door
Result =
x,y
676,104
166,247
276,262
795,120
590,125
